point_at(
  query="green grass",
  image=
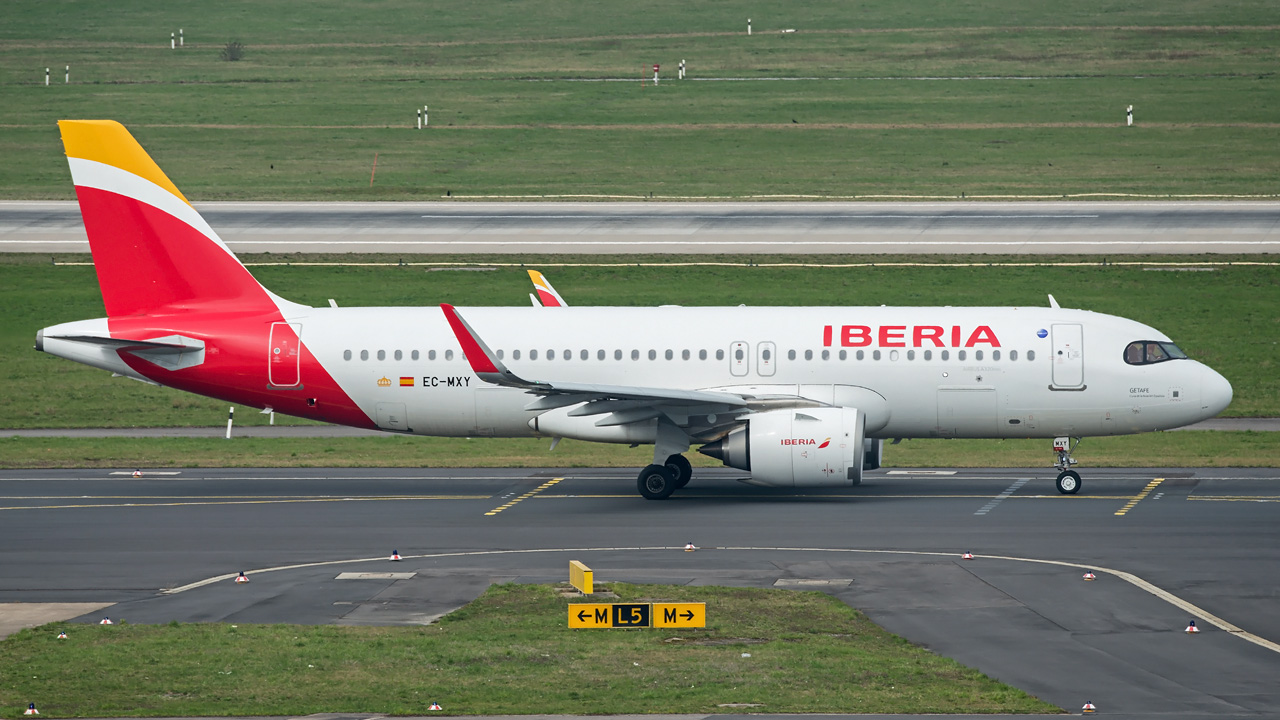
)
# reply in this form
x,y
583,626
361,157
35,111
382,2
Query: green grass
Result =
x,y
322,89
1181,449
1228,318
508,652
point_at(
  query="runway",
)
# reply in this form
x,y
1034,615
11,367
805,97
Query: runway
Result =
x,y
1021,228
1165,544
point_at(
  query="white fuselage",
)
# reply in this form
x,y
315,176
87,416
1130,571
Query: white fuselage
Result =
x,y
941,371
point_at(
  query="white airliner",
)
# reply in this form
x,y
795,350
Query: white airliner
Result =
x,y
797,396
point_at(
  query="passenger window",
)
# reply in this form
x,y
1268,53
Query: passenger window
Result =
x,y
600,354
684,355
400,355
960,355
808,354
946,354
737,354
653,354
1031,355
791,354
585,355
635,354
911,354
977,354
382,354
346,354
431,355
448,354
995,354
875,354
617,354
551,354
719,354
702,354
515,354
669,354
893,355
568,354
826,354
499,354
414,355
364,354
844,354
533,354
765,355
861,355
928,354
1013,354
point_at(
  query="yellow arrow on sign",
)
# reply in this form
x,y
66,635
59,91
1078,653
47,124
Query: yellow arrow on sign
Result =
x,y
590,616
679,615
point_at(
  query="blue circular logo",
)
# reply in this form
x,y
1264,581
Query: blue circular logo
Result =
x,y
1042,333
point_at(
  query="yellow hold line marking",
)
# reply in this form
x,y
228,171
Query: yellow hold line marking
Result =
x,y
1139,497
525,496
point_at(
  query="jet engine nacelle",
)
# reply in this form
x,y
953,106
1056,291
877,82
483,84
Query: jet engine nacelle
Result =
x,y
812,447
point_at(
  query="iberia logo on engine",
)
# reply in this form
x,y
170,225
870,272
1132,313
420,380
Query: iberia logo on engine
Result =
x,y
806,441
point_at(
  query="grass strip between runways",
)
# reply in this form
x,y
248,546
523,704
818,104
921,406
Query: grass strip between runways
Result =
x,y
508,652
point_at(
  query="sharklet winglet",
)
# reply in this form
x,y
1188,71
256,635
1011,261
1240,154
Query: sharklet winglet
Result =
x,y
484,362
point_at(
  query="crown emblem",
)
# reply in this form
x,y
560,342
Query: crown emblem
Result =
x,y
384,382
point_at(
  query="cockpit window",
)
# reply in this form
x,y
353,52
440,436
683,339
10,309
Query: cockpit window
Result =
x,y
1147,352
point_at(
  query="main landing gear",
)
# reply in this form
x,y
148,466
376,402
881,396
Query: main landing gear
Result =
x,y
657,482
1068,479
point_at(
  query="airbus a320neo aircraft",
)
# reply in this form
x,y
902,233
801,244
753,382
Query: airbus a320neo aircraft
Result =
x,y
798,396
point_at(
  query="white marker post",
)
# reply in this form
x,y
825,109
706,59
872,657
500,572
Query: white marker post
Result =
x,y
425,120
419,119
180,41
173,42
46,77
231,416
67,79
655,74
681,68
1128,116
748,26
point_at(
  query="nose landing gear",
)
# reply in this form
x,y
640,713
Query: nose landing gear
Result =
x,y
1068,479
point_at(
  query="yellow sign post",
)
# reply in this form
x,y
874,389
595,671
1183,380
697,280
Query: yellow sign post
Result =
x,y
679,615
581,577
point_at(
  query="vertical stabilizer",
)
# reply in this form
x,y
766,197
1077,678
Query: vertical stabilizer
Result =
x,y
152,250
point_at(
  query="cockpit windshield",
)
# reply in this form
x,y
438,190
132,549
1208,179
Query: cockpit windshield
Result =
x,y
1147,352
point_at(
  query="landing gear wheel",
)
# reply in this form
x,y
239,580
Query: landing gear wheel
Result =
x,y
656,482
679,465
1068,482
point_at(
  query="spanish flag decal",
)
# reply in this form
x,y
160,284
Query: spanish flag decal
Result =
x,y
406,382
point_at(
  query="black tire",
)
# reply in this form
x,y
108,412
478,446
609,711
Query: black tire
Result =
x,y
1069,482
679,465
656,482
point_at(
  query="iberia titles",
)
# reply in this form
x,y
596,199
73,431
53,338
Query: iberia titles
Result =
x,y
954,336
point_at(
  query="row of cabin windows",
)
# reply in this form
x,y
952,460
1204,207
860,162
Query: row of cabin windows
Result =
x,y
766,355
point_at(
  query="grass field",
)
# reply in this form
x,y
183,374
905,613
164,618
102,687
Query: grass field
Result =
x,y
1228,317
1023,101
508,652
1181,449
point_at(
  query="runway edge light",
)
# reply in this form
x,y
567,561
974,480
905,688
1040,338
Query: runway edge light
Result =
x,y
1088,575
967,556
1191,628
242,578
435,706
105,621
1089,708
31,710
62,635
690,547
395,556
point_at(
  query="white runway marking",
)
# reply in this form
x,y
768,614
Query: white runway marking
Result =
x,y
1002,496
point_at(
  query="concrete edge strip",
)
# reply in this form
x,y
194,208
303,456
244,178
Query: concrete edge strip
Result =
x,y
1130,578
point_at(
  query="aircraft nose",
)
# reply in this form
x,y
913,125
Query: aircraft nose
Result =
x,y
1215,392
